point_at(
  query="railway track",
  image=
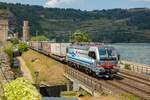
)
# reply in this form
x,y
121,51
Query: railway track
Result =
x,y
124,82
138,85
131,87
118,85
136,77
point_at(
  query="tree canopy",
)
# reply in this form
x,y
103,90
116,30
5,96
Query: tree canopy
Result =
x,y
79,36
113,25
39,38
22,47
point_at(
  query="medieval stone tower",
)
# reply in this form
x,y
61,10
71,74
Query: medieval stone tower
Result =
x,y
25,31
4,30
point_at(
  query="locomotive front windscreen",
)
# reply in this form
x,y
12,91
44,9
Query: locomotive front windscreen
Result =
x,y
107,54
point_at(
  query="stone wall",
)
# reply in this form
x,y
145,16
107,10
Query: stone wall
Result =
x,y
3,30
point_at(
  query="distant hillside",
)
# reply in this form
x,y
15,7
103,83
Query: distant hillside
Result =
x,y
115,25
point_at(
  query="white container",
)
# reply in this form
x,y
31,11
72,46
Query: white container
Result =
x,y
46,47
59,49
35,45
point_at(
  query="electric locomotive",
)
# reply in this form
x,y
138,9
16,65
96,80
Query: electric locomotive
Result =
x,y
99,59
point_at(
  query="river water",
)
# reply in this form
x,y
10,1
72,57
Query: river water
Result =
x,y
134,52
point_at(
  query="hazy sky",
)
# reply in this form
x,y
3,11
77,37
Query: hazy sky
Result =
x,y
85,4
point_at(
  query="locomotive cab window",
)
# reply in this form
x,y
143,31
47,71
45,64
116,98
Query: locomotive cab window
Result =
x,y
92,54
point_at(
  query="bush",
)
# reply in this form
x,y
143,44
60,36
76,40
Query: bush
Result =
x,y
22,47
127,66
8,49
21,89
14,41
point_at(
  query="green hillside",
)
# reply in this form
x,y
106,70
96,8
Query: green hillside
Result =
x,y
114,25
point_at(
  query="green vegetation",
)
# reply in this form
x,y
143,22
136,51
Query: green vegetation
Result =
x,y
39,38
114,25
8,49
37,62
68,94
128,97
14,41
79,36
1,91
80,93
127,66
22,47
21,89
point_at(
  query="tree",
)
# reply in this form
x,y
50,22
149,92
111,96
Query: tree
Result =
x,y
79,36
39,38
22,47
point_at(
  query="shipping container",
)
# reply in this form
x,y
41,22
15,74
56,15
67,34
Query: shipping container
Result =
x,y
59,49
39,45
35,45
31,45
46,47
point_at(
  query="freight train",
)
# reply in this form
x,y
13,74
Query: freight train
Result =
x,y
95,59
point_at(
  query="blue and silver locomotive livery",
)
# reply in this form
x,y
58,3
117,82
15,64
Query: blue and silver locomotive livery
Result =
x,y
99,60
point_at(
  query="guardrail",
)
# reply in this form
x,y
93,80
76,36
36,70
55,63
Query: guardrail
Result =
x,y
139,68
93,84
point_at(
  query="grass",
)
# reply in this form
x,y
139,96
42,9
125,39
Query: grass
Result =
x,y
80,93
111,97
83,95
128,97
50,71
68,94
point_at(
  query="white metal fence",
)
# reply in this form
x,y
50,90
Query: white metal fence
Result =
x,y
139,68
